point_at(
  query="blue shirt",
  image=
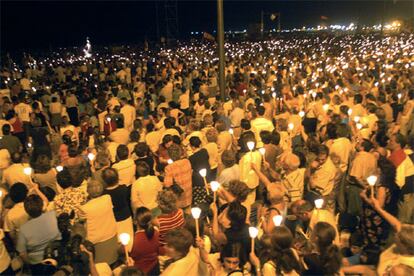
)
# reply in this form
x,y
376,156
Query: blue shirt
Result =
x,y
36,234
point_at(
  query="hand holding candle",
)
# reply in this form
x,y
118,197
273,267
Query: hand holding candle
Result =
x,y
214,187
124,239
196,212
372,180
253,232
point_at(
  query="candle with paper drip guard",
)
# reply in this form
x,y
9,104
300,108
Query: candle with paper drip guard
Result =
x,y
318,204
170,161
124,238
250,146
372,180
214,187
231,131
91,156
262,151
301,113
253,232
59,168
277,220
203,173
28,171
196,212
356,119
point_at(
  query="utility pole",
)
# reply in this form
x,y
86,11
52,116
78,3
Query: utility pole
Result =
x,y
220,36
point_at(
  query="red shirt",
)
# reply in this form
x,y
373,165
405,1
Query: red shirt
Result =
x,y
170,222
144,251
17,126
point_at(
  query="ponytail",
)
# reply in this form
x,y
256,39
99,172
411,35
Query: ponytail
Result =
x,y
149,230
331,259
143,218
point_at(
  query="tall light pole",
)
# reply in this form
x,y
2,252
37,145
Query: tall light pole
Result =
x,y
220,34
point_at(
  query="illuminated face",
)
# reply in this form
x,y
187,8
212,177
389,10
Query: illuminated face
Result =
x,y
322,158
231,264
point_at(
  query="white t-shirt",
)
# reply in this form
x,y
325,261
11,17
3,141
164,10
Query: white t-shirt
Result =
x,y
23,111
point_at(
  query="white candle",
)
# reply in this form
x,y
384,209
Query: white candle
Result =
x,y
196,212
253,232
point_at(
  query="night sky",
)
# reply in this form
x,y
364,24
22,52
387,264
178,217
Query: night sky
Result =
x,y
50,24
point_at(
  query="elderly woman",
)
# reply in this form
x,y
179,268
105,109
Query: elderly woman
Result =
x,y
101,225
171,217
231,169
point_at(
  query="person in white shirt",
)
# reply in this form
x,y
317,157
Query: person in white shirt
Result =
x,y
129,113
100,223
125,166
15,173
23,111
184,100
145,189
121,134
16,216
259,124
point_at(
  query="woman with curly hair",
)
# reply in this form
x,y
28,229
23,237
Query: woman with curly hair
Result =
x,y
171,217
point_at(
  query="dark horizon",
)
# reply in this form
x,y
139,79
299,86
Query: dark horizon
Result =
x,y
51,24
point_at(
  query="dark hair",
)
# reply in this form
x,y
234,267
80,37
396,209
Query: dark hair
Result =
x,y
400,139
64,178
234,250
42,164
143,169
195,142
131,271
18,192
141,149
281,251
6,129
122,152
275,137
48,192
266,136
134,136
330,256
110,176
239,189
260,110
169,122
367,145
33,205
323,149
16,157
236,213
245,124
358,98
73,151
166,139
143,218
66,139
180,239
228,158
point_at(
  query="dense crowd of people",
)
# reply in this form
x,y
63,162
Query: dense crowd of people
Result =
x,y
131,162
